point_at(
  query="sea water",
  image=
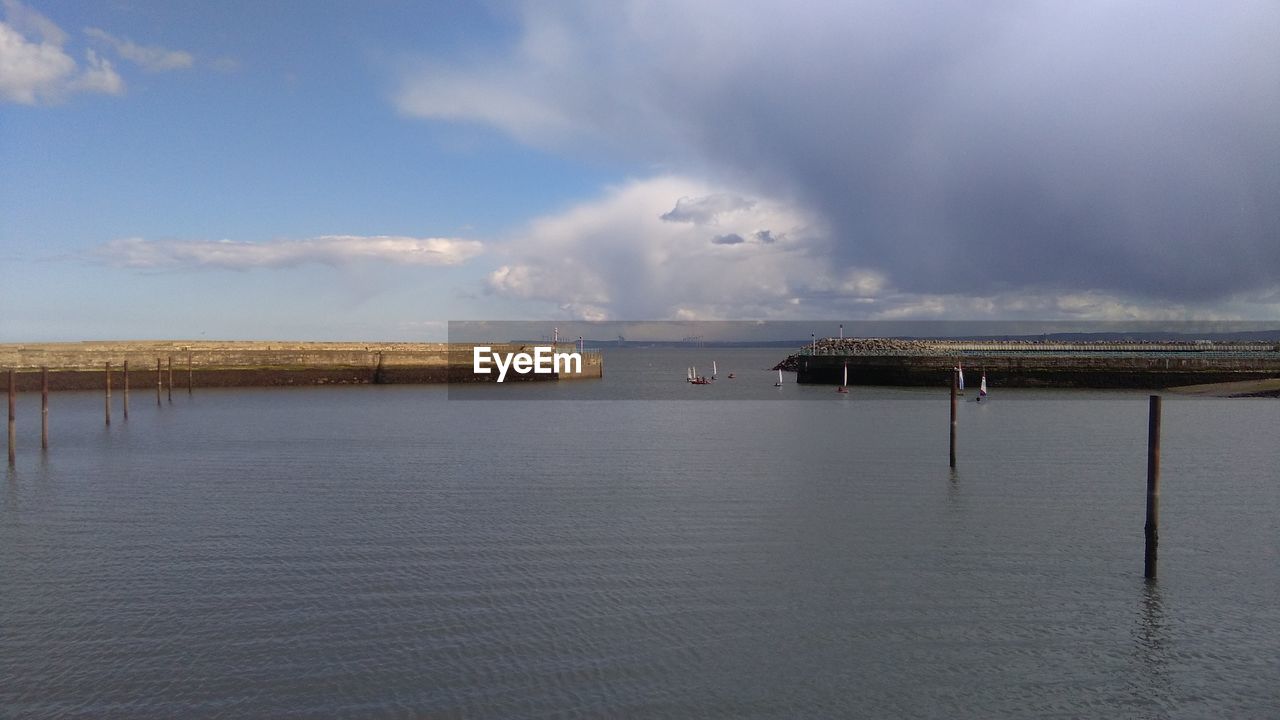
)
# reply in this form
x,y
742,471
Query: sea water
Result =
x,y
550,550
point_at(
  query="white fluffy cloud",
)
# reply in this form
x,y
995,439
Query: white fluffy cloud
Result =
x,y
327,249
666,247
34,67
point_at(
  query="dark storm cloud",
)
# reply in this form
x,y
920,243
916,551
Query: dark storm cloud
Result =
x,y
729,239
1123,147
1108,146
765,237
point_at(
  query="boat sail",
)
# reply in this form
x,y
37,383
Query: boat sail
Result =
x,y
844,386
982,387
713,369
960,379
779,383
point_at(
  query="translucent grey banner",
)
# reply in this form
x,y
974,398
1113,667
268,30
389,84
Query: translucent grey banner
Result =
x,y
821,359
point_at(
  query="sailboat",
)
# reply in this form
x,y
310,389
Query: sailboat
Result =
x,y
982,387
779,383
693,377
844,387
689,374
960,379
713,370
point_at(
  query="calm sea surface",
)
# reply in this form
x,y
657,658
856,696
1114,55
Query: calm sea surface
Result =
x,y
719,551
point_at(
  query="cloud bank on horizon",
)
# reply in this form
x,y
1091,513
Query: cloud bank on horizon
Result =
x,y
1069,159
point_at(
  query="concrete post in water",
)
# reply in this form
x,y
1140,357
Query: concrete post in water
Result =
x,y
108,397
44,408
955,380
13,394
159,381
170,378
1152,527
126,389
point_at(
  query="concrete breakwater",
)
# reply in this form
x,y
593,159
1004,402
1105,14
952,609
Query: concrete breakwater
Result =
x,y
891,361
82,366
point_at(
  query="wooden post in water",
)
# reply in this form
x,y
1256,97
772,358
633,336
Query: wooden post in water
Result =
x,y
159,381
170,378
13,437
188,372
1152,527
108,396
955,380
126,389
44,408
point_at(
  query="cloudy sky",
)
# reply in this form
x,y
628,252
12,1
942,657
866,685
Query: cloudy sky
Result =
x,y
316,170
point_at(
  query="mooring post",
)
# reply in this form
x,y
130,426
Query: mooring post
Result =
x,y
159,381
126,389
188,372
954,382
13,437
44,408
1152,528
170,378
107,400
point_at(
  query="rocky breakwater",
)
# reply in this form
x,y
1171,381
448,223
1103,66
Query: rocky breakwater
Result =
x,y
1034,363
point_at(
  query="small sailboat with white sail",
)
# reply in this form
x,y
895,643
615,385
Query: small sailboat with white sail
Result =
x,y
844,386
695,379
959,378
982,387
779,383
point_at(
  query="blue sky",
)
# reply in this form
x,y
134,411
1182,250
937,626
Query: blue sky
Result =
x,y
249,170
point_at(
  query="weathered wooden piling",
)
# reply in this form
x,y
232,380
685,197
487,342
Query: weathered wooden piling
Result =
x,y
159,382
170,378
107,400
44,408
188,372
955,381
1152,527
126,389
13,437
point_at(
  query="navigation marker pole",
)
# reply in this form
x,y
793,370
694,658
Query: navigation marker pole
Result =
x,y
44,408
13,393
1152,528
954,382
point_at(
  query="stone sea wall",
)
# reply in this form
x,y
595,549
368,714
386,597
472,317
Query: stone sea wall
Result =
x,y
82,366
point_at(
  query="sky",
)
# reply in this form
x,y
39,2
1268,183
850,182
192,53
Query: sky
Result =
x,y
370,171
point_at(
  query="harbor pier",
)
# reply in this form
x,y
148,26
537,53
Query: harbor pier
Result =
x,y
1006,363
